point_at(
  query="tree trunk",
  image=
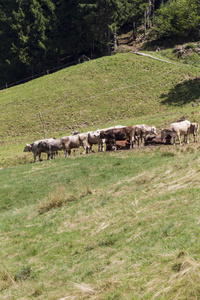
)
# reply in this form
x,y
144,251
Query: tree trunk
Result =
x,y
58,57
134,31
108,42
115,39
145,22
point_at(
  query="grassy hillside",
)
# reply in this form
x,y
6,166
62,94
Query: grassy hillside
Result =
x,y
111,90
118,225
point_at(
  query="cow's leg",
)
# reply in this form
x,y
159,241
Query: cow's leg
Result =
x,y
179,138
34,154
102,146
65,152
174,138
39,155
84,150
114,145
141,140
188,137
195,137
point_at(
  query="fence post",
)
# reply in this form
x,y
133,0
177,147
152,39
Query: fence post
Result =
x,y
42,124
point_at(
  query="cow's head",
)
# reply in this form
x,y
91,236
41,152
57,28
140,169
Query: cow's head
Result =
x,y
153,130
28,148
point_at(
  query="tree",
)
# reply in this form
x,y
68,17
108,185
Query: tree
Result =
x,y
178,19
136,13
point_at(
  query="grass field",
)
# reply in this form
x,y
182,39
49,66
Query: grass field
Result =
x,y
118,225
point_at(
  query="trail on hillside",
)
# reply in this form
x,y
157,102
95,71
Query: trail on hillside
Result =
x,y
151,56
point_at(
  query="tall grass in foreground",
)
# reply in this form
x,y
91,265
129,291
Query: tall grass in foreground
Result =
x,y
121,225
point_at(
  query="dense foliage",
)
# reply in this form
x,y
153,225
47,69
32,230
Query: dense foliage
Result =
x,y
38,35
179,19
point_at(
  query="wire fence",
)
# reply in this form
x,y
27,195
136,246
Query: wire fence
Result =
x,y
82,59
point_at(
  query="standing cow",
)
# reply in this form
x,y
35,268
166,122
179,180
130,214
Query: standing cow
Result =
x,y
34,148
143,131
50,147
94,138
194,129
176,130
119,134
75,141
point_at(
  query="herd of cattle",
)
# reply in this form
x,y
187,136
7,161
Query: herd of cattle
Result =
x,y
117,137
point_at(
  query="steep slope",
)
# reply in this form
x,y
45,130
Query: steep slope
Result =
x,y
109,89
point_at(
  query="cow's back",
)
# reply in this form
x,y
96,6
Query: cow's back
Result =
x,y
181,127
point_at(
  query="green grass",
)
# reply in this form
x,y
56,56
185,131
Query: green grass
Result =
x,y
128,229
122,89
118,225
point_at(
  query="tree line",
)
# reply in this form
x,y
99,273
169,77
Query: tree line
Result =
x,y
36,35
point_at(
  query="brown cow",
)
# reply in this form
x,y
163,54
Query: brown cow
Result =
x,y
119,134
143,131
156,140
121,145
194,129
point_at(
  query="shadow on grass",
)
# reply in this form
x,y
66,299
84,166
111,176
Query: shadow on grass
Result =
x,y
183,93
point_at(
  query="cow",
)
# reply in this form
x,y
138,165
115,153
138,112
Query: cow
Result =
x,y
36,150
143,131
176,130
156,140
194,129
120,145
75,141
118,134
94,138
51,146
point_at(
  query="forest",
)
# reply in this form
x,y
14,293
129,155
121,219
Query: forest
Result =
x,y
37,35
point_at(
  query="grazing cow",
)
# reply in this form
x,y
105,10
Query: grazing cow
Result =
x,y
51,146
75,141
143,131
176,130
36,150
194,129
156,140
94,138
118,134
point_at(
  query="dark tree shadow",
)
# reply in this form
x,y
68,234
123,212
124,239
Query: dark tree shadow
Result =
x,y
185,92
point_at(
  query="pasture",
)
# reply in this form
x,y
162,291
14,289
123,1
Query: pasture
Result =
x,y
112,225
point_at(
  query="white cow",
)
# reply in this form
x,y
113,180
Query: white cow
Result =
x,y
36,150
143,131
94,138
176,130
